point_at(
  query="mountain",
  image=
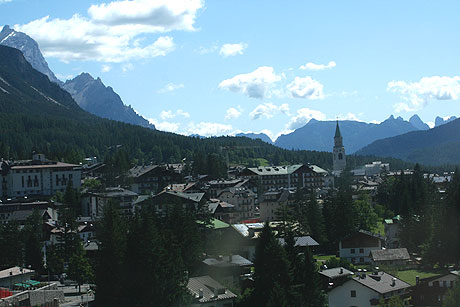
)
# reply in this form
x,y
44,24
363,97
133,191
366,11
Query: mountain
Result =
x,y
319,135
93,96
30,49
255,136
437,146
441,121
418,123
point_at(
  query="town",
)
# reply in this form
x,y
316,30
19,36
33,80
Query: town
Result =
x,y
267,235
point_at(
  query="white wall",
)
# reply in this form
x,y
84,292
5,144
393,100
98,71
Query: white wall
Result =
x,y
341,295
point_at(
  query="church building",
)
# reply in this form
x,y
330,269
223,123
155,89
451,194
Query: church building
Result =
x,y
339,161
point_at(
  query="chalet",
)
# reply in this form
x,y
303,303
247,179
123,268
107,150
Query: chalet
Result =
x,y
357,247
431,291
38,176
20,211
396,257
173,198
243,200
223,211
215,187
367,290
208,292
149,179
227,269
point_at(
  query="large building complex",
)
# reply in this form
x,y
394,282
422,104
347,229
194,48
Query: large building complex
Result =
x,y
38,176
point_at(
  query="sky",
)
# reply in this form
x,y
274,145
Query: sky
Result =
x,y
224,67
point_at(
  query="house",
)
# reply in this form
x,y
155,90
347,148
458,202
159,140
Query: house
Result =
x,y
20,211
367,290
286,176
243,200
167,198
208,292
223,211
357,247
301,242
331,278
396,257
14,275
93,202
243,239
149,179
431,291
38,176
227,269
215,187
392,227
270,203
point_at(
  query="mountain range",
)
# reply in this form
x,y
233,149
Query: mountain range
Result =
x,y
91,94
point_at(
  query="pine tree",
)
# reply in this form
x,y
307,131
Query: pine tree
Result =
x,y
311,292
79,267
270,267
32,237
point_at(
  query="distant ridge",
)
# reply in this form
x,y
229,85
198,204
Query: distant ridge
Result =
x,y
318,135
93,96
255,136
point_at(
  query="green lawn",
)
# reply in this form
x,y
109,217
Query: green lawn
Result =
x,y
323,257
409,275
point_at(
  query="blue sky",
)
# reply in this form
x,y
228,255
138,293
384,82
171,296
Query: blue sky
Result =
x,y
222,67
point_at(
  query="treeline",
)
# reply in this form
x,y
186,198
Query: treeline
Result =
x,y
429,219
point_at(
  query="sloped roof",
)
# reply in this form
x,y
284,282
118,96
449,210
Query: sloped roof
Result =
x,y
381,282
301,241
207,285
390,254
275,170
13,271
235,260
336,272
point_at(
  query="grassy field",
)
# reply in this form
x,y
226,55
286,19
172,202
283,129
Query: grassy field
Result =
x,y
409,275
323,257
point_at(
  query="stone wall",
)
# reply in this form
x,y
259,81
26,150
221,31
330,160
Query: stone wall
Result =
x,y
49,295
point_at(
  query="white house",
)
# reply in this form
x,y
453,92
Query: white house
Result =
x,y
357,247
366,290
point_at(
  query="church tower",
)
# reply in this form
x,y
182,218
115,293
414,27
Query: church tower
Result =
x,y
339,161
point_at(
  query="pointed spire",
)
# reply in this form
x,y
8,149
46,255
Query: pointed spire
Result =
x,y
337,131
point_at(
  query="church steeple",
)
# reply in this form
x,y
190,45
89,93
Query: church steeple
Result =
x,y
339,161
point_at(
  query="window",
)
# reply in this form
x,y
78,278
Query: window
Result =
x,y
352,251
361,259
444,284
353,293
361,250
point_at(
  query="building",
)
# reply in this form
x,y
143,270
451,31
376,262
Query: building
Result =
x,y
208,292
331,278
431,291
20,211
395,257
367,290
243,200
357,247
285,177
392,227
149,179
338,152
215,187
271,202
14,275
227,269
223,211
167,198
37,177
93,202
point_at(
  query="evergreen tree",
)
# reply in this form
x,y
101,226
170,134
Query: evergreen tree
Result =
x,y
316,219
311,292
79,267
453,296
32,237
270,267
112,249
11,245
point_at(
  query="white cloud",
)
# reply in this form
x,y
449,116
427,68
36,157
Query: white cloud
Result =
x,y
106,68
64,77
4,1
268,110
402,107
349,116
232,113
164,125
111,31
256,84
306,88
232,49
313,66
127,67
170,114
303,116
418,94
209,129
206,50
170,87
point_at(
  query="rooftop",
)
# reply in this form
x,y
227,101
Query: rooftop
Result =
x,y
14,271
390,254
381,282
336,272
211,289
302,241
